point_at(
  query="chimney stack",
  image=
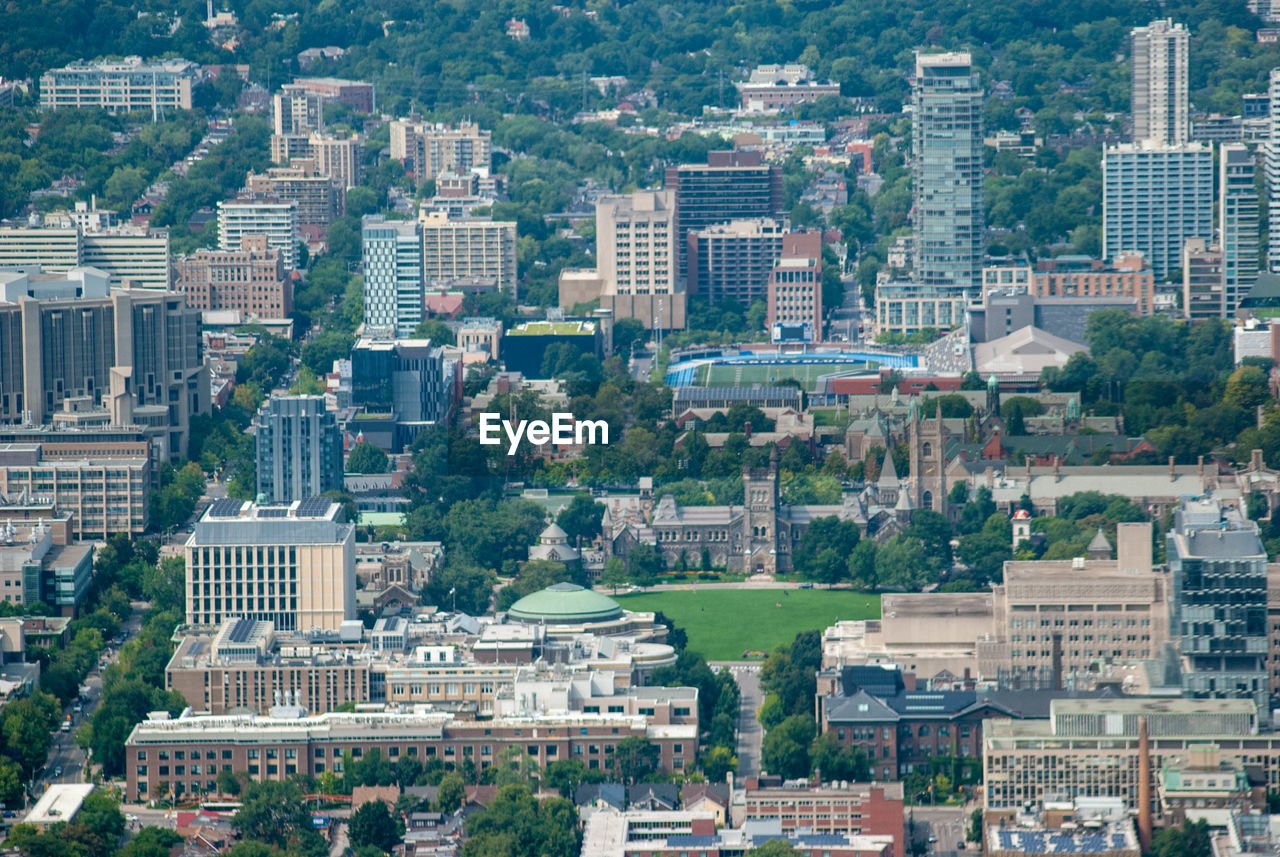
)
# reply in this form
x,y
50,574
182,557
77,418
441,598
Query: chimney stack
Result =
x,y
1144,785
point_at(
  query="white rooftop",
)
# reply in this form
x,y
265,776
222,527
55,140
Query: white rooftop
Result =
x,y
60,802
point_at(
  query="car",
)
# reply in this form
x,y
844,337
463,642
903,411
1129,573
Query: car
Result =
x,y
932,839
806,586
960,845
57,772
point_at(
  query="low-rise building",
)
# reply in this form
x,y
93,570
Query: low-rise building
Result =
x,y
121,86
184,755
860,809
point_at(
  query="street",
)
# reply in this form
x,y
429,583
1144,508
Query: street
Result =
x,y
947,823
65,755
750,733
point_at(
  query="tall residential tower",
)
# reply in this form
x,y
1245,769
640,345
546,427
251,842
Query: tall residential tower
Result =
x,y
1159,96
946,162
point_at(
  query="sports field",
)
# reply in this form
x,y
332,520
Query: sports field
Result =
x,y
745,375
724,623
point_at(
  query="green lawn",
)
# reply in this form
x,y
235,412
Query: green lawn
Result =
x,y
723,623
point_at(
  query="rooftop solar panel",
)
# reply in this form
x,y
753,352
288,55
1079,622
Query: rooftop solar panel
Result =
x,y
240,631
313,506
274,512
224,508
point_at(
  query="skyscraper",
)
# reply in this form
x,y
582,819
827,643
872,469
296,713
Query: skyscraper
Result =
x,y
1237,223
1272,168
392,262
299,449
1159,97
1154,197
946,163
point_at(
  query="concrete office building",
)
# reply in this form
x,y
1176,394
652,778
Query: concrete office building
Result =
x,y
949,220
293,566
635,243
1058,622
1158,101
732,261
429,150
251,280
1005,311
319,197
468,247
122,86
1237,224
299,449
278,220
409,379
795,289
132,257
1154,198
131,357
1218,568
736,185
106,495
391,261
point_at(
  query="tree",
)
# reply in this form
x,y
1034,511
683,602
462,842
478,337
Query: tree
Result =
x,y
824,548
718,762
626,333
615,573
151,842
581,518
775,848
437,331
272,812
786,747
644,564
366,458
634,759
1191,839
452,793
1246,388
228,783
835,762
372,824
772,711
565,775
468,587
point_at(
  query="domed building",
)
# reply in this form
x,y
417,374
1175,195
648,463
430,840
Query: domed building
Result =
x,y
565,604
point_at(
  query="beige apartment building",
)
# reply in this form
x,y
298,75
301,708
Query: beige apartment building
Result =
x,y
453,248
428,150
326,155
293,566
251,279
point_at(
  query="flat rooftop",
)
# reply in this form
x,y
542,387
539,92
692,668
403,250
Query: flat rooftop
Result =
x,y
60,802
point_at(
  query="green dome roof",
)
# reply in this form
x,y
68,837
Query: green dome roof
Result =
x,y
565,603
